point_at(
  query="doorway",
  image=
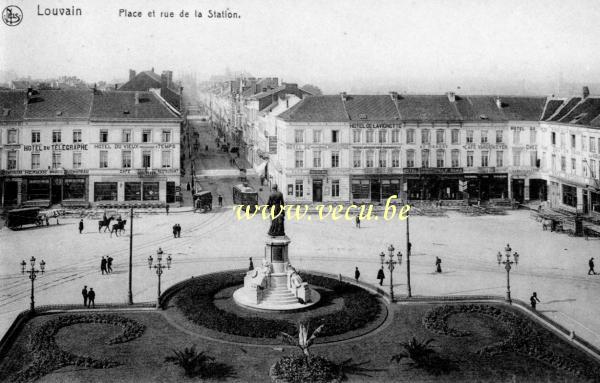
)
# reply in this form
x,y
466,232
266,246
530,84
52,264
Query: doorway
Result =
x,y
56,195
317,190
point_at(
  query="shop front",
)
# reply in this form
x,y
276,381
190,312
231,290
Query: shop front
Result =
x,y
483,187
375,188
433,183
45,187
135,186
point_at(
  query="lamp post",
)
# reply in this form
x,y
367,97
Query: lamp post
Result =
x,y
408,249
32,275
391,265
159,270
507,266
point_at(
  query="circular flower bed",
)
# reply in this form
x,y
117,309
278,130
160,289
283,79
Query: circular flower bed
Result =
x,y
47,356
196,300
297,368
524,337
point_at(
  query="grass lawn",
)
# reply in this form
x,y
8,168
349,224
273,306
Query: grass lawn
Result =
x,y
142,359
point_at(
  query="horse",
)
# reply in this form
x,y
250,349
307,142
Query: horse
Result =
x,y
118,227
546,224
104,223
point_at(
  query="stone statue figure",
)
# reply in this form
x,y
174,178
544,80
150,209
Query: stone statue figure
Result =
x,y
277,228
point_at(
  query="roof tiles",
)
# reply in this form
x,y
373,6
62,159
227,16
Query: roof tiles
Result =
x,y
12,105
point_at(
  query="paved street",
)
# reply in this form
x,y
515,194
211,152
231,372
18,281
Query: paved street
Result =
x,y
553,265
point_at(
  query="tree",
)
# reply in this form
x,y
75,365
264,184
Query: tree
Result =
x,y
304,341
312,89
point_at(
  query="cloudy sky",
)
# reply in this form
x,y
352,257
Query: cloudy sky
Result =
x,y
425,45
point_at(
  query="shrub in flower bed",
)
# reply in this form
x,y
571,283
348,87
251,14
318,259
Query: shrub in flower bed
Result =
x,y
47,356
296,368
195,300
524,337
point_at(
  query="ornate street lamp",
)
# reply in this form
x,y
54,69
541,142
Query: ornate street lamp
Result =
x,y
159,269
391,265
507,266
32,275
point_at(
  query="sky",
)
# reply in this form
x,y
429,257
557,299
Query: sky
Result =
x,y
373,46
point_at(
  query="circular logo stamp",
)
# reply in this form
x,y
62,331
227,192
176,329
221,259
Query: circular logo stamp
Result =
x,y
12,15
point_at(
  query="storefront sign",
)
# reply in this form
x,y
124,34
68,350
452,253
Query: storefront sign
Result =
x,y
43,172
374,125
433,170
436,146
54,147
130,146
156,172
377,146
485,146
272,144
317,172
486,170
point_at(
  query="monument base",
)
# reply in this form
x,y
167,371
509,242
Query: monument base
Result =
x,y
277,298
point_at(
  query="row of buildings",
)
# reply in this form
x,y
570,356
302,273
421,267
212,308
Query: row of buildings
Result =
x,y
365,148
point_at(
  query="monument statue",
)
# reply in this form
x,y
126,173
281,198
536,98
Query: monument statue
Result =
x,y
276,203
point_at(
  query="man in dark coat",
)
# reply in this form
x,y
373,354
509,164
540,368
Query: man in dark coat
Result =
x,y
80,226
178,231
591,264
220,200
167,208
91,298
109,264
84,292
103,266
251,267
357,221
534,299
438,265
175,231
380,276
356,274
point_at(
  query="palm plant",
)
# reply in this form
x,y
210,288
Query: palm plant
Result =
x,y
193,362
419,352
304,341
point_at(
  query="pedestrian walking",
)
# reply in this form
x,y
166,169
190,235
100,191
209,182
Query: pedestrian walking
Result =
x,y
80,226
178,231
357,222
591,264
167,208
109,264
206,148
91,298
175,231
47,221
380,276
534,300
438,265
220,200
251,267
103,265
84,293
356,274
189,187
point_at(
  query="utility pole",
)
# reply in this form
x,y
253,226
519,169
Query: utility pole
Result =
x,y
130,301
408,249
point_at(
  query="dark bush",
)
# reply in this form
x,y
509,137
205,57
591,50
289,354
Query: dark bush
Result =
x,y
297,369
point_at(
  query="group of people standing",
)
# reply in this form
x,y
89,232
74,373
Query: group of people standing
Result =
x,y
89,297
177,231
106,265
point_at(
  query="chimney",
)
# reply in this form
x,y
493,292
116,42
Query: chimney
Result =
x,y
451,96
586,92
137,98
116,86
164,83
152,70
131,74
394,95
498,102
344,96
264,89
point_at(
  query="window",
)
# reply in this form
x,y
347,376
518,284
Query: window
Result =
x,y
499,158
35,137
126,159
410,158
56,136
425,136
485,156
361,189
498,136
335,136
146,136
439,136
563,163
553,138
290,190
77,160
562,140
56,160
74,188
335,188
126,136
369,158
553,162
592,145
166,136
593,168
455,136
395,136
533,158
533,138
469,136
410,136
516,137
573,165
146,159
484,136
383,158
105,191
382,136
395,158
11,160
369,136
299,188
35,160
470,159
439,158
166,159
335,159
316,158
298,136
455,158
150,191
516,158
316,136
425,158
356,135
133,191
569,194
12,136
103,159
543,160
76,136
299,156
584,169
356,154
584,143
104,136
573,141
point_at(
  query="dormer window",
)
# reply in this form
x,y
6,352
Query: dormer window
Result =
x,y
362,116
5,112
